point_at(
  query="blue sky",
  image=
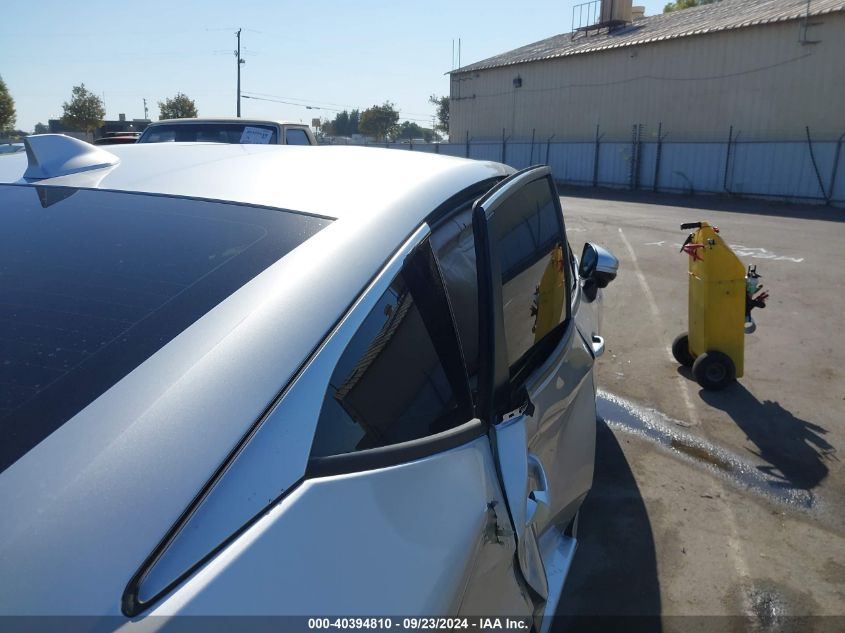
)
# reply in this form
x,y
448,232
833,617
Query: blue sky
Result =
x,y
332,54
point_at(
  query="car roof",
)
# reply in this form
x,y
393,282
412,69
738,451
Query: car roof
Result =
x,y
333,181
137,455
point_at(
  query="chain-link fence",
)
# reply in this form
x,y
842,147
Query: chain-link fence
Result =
x,y
808,170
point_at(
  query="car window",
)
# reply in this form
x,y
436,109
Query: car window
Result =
x,y
159,134
209,133
531,244
296,136
393,382
92,283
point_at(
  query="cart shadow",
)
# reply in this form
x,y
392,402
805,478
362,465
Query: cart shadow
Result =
x,y
613,583
795,449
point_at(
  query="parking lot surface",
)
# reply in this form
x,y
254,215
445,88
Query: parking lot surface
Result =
x,y
715,504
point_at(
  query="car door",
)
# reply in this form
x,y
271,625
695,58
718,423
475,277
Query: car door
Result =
x,y
535,384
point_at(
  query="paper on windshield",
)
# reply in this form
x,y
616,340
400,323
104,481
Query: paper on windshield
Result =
x,y
257,135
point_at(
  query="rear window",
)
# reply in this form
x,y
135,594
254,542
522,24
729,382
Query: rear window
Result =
x,y
210,133
92,283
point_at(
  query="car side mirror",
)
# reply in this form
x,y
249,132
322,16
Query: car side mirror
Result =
x,y
598,265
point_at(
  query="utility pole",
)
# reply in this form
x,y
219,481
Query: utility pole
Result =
x,y
240,62
145,109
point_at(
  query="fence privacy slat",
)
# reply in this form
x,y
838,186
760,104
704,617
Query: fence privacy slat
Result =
x,y
782,170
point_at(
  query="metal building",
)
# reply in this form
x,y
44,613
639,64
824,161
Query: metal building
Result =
x,y
766,70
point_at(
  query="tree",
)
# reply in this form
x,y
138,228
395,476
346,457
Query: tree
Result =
x,y
40,128
442,104
677,5
410,130
7,108
344,124
179,107
379,121
84,111
341,123
327,127
354,119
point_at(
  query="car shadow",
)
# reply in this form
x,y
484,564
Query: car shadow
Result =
x,y
613,584
795,449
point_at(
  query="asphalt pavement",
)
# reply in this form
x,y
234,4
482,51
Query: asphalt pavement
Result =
x,y
715,510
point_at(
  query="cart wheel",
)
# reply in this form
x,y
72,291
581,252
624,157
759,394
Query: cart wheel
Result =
x,y
714,370
680,350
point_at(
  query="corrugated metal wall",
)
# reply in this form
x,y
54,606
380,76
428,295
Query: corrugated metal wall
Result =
x,y
761,80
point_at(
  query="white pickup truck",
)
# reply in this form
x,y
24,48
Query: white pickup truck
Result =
x,y
228,130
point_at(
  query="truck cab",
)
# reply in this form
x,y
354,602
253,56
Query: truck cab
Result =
x,y
228,130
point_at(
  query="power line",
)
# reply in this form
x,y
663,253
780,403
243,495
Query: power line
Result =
x,y
313,107
301,105
340,105
265,94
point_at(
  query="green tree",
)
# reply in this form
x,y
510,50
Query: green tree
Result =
x,y
341,123
84,111
442,104
409,129
677,5
327,127
40,128
379,121
344,124
354,119
178,107
7,108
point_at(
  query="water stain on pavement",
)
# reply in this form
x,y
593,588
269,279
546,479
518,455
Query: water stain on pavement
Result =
x,y
656,427
772,607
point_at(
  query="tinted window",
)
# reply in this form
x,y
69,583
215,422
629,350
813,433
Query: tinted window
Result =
x,y
92,283
528,230
209,133
392,384
158,134
296,137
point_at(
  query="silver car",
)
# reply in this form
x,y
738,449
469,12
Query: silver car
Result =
x,y
289,380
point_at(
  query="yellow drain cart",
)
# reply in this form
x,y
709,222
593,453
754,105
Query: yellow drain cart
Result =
x,y
720,303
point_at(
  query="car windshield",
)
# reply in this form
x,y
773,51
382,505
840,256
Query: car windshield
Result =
x,y
210,133
92,283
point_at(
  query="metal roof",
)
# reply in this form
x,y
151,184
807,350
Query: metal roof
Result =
x,y
711,18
